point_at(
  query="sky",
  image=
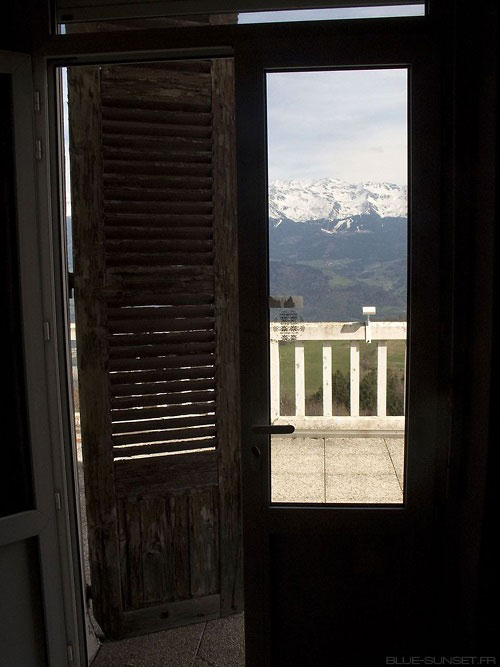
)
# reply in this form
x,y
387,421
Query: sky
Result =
x,y
330,14
349,125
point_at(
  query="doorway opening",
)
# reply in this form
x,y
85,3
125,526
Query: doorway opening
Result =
x,y
149,235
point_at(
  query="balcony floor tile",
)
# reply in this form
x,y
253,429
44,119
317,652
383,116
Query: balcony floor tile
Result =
x,y
298,487
355,446
396,449
297,455
337,469
374,488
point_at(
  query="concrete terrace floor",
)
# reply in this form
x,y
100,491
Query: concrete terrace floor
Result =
x,y
337,469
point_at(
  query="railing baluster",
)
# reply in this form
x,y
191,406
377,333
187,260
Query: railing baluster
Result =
x,y
354,379
327,380
275,379
300,381
382,378
404,381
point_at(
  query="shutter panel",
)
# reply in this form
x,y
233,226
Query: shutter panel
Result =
x,y
158,227
154,234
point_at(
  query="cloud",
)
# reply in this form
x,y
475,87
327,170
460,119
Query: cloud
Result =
x,y
331,14
327,123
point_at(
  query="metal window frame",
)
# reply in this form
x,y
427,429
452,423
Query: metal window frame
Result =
x,y
49,521
71,11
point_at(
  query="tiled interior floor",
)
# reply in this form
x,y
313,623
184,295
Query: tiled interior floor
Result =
x,y
337,470
218,643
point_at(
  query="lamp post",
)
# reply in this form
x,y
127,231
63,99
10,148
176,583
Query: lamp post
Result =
x,y
367,311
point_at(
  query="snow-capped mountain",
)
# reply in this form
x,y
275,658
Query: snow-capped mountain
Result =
x,y
339,246
335,201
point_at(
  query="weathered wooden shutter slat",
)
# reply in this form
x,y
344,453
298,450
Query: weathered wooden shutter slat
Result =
x,y
177,195
146,326
124,328
143,129
168,436
201,208
164,411
124,221
164,448
118,379
118,343
159,245
130,233
189,346
116,110
153,375
162,387
200,162
174,184
132,165
136,426
133,354
164,312
171,300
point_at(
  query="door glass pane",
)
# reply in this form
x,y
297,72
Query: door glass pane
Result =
x,y
337,163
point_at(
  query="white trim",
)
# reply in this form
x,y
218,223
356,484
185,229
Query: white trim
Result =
x,y
300,380
327,380
337,425
382,378
56,350
347,331
21,526
274,355
354,379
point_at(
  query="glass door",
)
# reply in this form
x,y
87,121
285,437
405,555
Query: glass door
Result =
x,y
339,247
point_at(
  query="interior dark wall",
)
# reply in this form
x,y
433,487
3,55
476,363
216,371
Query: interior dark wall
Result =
x,y
24,24
16,494
22,625
469,571
22,628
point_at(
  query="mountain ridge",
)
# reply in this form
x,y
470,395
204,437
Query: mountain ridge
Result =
x,y
340,246
335,202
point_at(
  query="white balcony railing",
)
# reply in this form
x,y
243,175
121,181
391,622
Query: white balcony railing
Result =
x,y
327,332
354,332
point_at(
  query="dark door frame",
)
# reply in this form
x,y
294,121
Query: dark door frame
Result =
x,y
427,414
362,43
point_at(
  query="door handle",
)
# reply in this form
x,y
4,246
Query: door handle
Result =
x,y
273,429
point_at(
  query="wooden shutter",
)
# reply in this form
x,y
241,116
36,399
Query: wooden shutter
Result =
x,y
153,205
